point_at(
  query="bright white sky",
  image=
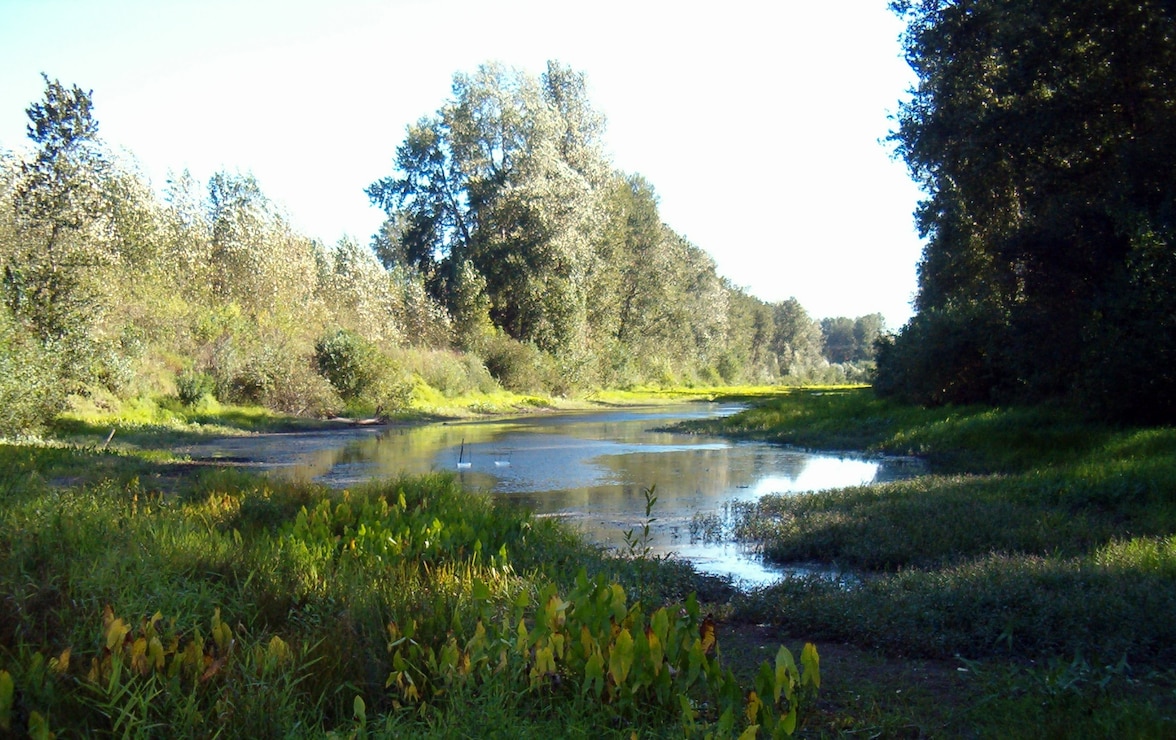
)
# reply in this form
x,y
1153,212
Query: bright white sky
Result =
x,y
757,121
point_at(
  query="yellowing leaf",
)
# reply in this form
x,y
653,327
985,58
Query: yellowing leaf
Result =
x,y
749,733
155,653
139,662
706,632
7,690
221,633
753,708
655,650
115,633
524,637
812,665
278,650
620,659
60,664
786,673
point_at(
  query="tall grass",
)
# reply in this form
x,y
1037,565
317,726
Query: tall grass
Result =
x,y
242,606
1050,535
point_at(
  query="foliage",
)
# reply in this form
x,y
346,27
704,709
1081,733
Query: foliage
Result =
x,y
519,366
510,245
58,204
1041,132
504,204
30,388
192,386
848,340
361,374
1041,533
245,606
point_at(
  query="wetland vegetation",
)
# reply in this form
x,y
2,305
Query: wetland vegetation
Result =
x,y
1026,586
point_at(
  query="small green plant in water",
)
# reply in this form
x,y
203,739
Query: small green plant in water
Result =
x,y
637,545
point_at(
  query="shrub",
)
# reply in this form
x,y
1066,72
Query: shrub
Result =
x,y
193,385
363,376
30,391
452,373
350,363
518,366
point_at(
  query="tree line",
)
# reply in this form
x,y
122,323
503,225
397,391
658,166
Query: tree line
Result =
x,y
1044,134
514,254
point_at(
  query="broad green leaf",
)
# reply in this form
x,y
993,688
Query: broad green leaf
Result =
x,y
594,674
479,590
696,660
39,727
620,659
787,723
786,673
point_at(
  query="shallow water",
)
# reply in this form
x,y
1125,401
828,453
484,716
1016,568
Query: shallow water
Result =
x,y
590,468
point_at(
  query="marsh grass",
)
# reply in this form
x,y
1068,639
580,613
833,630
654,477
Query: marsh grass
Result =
x,y
243,606
1040,540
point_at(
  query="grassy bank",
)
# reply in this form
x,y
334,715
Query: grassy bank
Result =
x,y
1040,552
144,597
1025,587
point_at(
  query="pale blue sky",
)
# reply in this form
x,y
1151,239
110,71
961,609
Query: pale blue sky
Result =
x,y
758,122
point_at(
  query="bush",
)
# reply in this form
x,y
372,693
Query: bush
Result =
x,y
350,363
298,390
452,373
364,377
519,367
193,385
31,393
945,356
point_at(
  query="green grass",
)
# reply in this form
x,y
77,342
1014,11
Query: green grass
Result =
x,y
236,605
1041,551
1035,568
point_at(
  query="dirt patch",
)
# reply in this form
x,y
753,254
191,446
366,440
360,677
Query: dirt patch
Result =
x,y
862,692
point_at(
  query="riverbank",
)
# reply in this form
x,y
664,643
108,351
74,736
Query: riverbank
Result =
x,y
242,605
80,525
1040,556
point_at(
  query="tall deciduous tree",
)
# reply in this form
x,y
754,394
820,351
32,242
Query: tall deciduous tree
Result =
x,y
1044,133
798,342
495,195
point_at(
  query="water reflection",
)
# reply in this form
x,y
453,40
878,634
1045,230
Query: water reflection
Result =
x,y
590,468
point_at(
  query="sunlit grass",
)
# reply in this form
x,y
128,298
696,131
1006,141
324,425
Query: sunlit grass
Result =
x,y
246,606
1051,536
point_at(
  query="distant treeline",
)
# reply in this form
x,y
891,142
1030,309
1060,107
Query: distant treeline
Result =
x,y
514,255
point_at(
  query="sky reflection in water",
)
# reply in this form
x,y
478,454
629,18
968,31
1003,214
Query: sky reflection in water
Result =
x,y
591,468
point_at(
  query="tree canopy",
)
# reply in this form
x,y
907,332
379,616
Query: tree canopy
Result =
x,y
505,204
513,255
1044,134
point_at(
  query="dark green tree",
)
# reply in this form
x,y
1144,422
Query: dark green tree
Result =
x,y
1044,133
59,204
495,195
839,341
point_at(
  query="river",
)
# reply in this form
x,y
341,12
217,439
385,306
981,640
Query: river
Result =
x,y
589,467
